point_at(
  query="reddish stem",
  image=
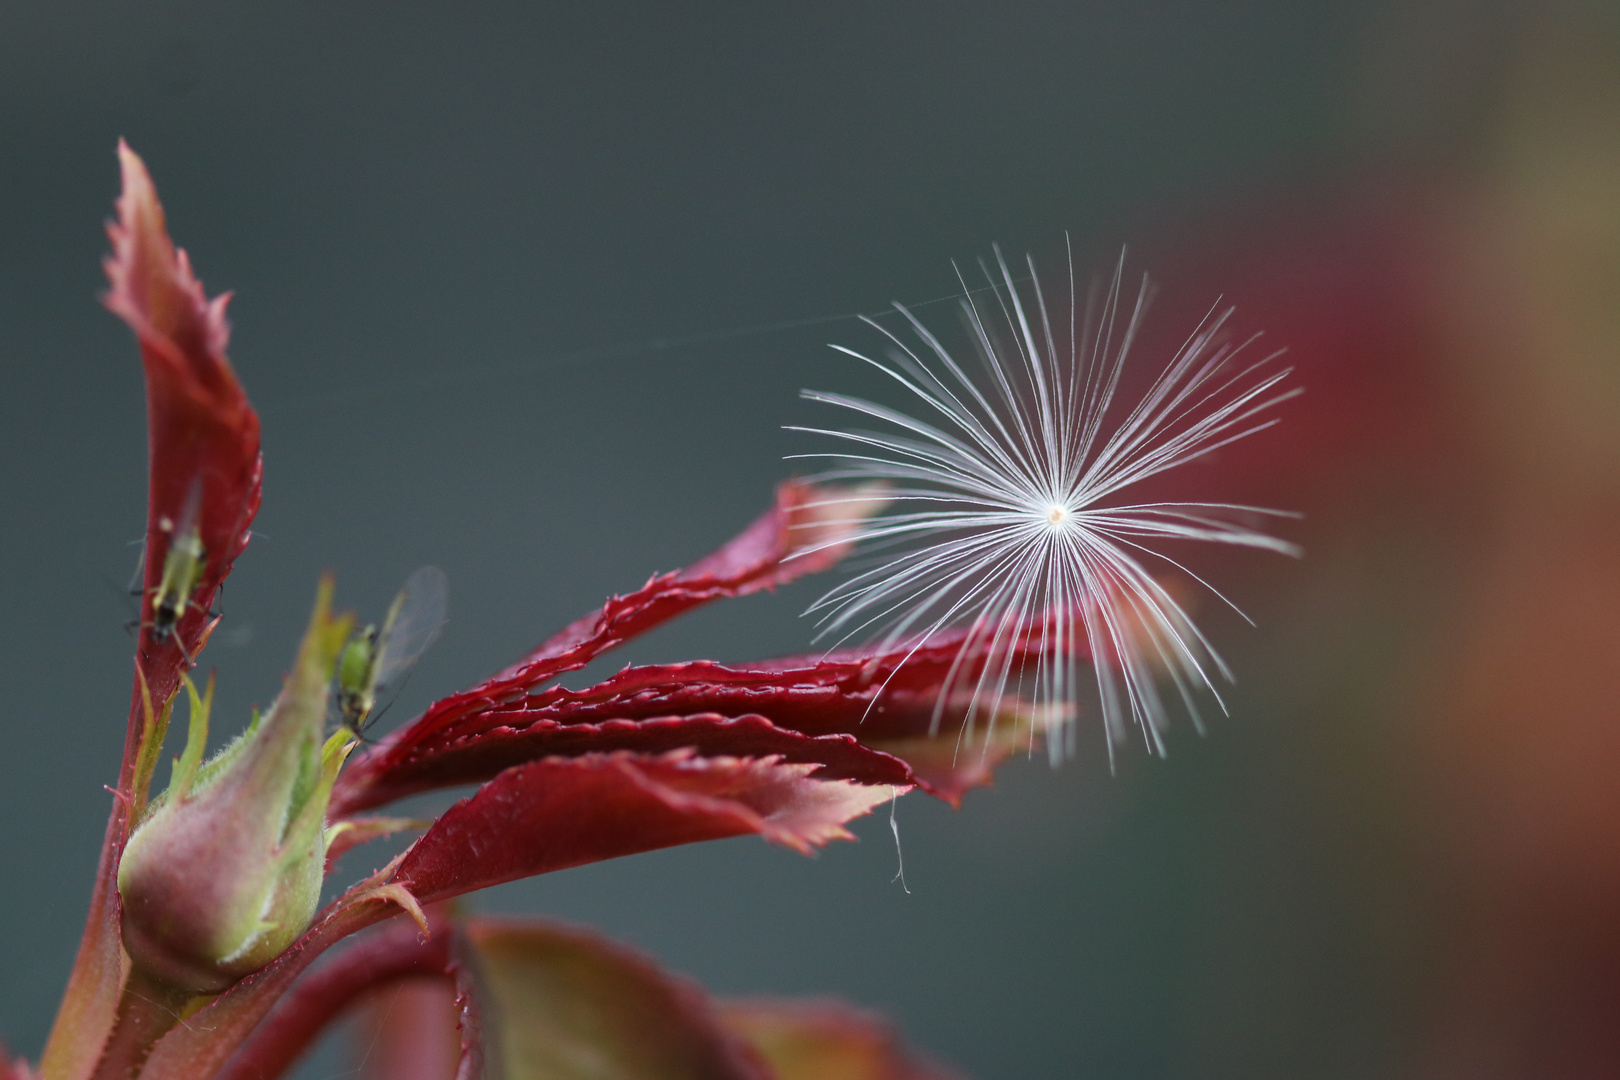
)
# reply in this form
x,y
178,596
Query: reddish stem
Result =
x,y
92,1003
147,1011
318,998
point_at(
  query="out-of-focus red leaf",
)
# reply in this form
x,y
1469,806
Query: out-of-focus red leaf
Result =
x,y
804,533
850,713
563,1004
561,812
822,1039
314,1001
408,1031
204,438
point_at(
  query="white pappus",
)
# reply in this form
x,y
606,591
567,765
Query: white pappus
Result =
x,y
1010,519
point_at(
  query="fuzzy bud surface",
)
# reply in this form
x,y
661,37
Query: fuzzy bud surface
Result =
x,y
225,870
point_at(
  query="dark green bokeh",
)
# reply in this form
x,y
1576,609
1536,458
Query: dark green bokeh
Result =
x,y
440,222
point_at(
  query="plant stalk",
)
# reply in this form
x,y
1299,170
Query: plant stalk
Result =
x,y
147,1011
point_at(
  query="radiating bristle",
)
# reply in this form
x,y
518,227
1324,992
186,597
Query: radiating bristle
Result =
x,y
997,523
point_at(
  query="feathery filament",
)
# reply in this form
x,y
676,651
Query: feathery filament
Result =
x,y
1007,519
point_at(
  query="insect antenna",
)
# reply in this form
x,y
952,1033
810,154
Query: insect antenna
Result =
x,y
394,692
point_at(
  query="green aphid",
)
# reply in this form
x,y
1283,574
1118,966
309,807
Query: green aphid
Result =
x,y
183,566
376,658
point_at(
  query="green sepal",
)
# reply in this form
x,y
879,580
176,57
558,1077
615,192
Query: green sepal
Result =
x,y
186,766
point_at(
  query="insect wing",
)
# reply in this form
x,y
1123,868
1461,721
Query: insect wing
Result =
x,y
414,621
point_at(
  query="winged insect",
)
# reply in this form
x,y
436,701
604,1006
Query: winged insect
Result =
x,y
377,658
183,566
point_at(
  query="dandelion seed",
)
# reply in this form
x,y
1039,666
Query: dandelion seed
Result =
x,y
1011,523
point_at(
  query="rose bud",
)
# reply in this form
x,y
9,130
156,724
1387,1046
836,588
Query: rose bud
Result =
x,y
224,871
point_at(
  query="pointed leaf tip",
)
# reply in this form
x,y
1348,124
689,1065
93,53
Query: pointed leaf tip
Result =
x,y
805,531
154,290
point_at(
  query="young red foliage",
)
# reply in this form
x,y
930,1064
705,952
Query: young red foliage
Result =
x,y
562,812
522,738
204,434
761,557
837,711
839,715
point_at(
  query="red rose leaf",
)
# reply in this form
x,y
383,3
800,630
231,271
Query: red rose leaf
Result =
x,y
803,533
851,713
561,812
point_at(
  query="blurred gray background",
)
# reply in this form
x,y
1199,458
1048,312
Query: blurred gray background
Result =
x,y
519,292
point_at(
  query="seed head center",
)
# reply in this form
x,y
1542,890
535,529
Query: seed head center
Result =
x,y
1056,515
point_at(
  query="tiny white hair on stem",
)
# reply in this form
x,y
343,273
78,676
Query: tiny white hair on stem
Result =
x,y
1007,517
